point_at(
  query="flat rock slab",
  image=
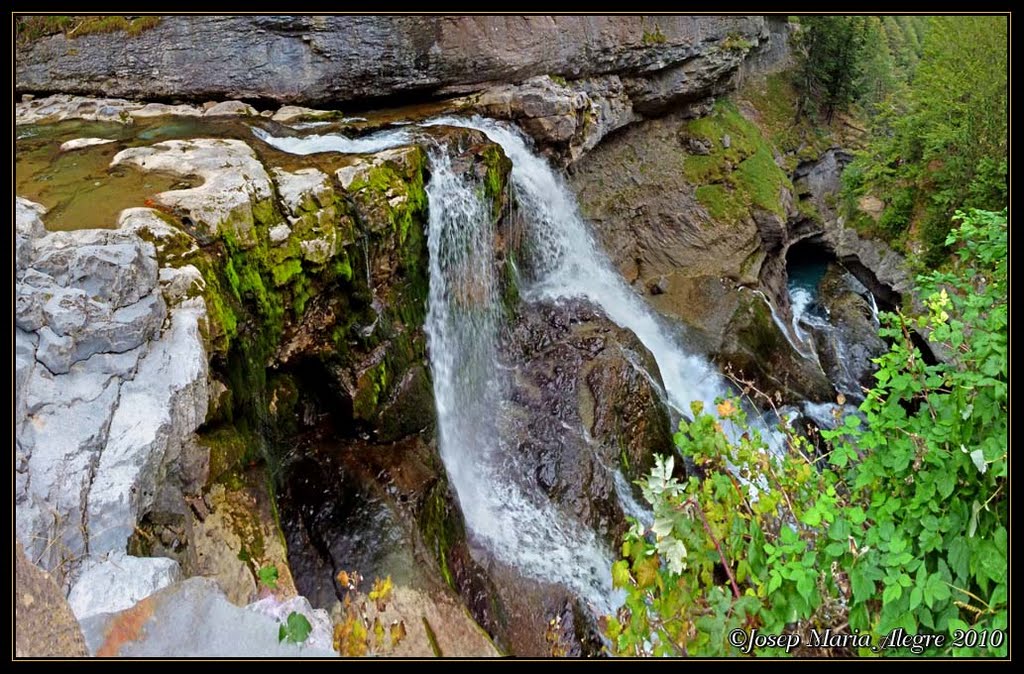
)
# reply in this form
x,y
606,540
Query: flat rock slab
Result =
x,y
190,619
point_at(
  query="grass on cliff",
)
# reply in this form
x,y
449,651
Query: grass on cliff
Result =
x,y
772,102
730,180
29,28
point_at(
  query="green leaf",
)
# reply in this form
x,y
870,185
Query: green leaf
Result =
x,y
862,586
268,576
891,593
675,554
662,526
916,595
836,549
295,630
620,574
812,517
959,555
805,586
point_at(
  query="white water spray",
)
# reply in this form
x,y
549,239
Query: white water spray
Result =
x,y
463,321
568,263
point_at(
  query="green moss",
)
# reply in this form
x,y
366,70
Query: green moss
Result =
x,y
762,181
370,387
559,80
808,210
231,448
775,100
286,271
265,212
736,42
732,180
343,267
31,28
498,168
722,203
392,194
654,37
440,528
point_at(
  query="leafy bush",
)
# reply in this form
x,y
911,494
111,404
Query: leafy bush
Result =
x,y
899,523
896,216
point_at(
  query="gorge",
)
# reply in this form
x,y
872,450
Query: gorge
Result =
x,y
433,331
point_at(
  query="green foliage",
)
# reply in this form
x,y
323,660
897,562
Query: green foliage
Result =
x,y
943,133
295,630
736,42
268,576
896,216
776,101
879,77
654,37
829,54
900,522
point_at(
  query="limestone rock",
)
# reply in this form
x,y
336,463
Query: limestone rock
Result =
x,y
191,618
156,411
567,119
117,581
295,113
106,393
79,143
321,636
28,226
305,190
60,107
229,108
313,59
160,109
234,185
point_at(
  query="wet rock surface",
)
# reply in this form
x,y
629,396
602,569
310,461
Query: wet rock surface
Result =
x,y
847,348
585,403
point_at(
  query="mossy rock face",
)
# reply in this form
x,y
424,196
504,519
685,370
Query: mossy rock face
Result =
x,y
321,305
739,172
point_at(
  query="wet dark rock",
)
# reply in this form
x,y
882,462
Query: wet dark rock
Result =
x,y
583,404
847,349
757,351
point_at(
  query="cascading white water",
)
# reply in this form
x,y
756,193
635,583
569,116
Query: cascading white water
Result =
x,y
463,321
567,263
335,142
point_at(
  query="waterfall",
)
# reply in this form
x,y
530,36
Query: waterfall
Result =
x,y
464,317
463,321
567,263
336,142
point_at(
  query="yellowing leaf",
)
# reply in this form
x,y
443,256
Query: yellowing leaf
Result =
x,y
647,571
397,632
726,409
380,592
